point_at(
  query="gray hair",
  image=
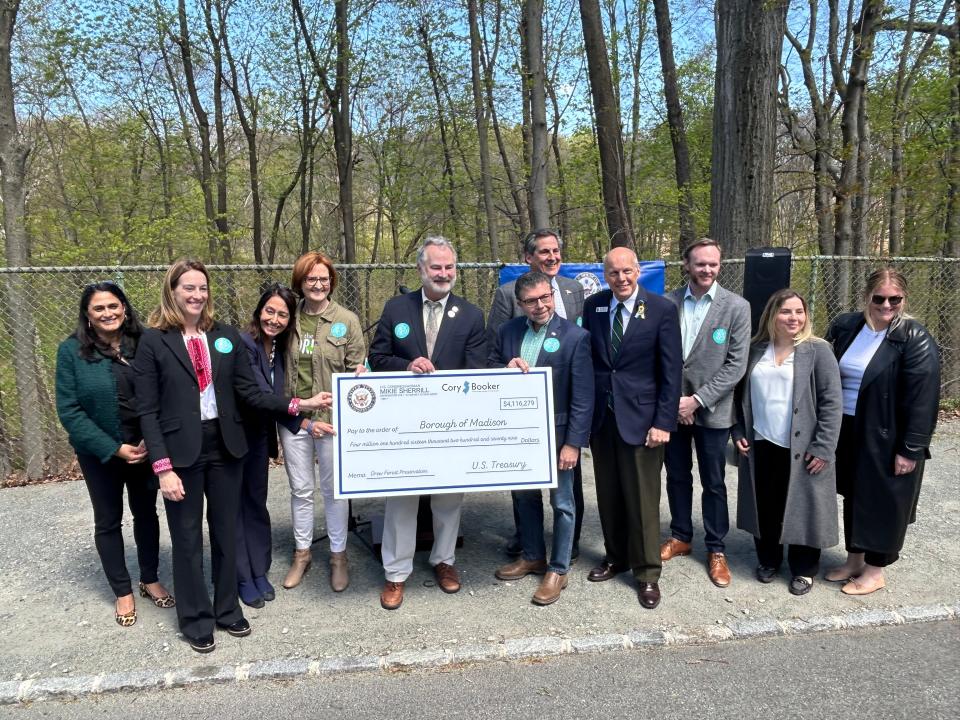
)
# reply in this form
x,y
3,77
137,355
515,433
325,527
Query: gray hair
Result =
x,y
434,241
530,241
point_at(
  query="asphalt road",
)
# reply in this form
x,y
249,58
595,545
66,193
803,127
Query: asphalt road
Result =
x,y
908,671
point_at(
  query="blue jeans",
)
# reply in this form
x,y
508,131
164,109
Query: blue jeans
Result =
x,y
530,508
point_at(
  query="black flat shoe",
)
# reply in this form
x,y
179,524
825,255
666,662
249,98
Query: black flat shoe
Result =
x,y
266,589
241,628
800,585
765,573
203,644
249,594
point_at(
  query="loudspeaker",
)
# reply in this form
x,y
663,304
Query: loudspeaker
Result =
x,y
765,270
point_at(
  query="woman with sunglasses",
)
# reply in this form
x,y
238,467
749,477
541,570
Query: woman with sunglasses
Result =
x,y
890,373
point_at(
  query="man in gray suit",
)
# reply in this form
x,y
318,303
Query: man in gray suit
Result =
x,y
541,250
715,331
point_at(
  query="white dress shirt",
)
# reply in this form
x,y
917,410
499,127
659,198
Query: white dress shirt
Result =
x,y
771,397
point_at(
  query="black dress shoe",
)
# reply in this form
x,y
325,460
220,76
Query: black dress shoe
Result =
x,y
800,585
605,571
241,628
649,595
203,644
766,573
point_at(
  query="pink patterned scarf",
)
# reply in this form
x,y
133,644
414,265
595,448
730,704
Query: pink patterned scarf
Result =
x,y
197,351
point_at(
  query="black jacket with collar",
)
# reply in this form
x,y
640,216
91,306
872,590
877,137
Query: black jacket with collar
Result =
x,y
168,394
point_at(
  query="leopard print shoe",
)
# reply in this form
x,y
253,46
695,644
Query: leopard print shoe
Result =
x,y
126,619
166,601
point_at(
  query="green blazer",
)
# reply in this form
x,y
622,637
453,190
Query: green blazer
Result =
x,y
87,402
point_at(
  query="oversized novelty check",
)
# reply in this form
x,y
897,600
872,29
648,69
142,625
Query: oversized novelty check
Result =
x,y
448,431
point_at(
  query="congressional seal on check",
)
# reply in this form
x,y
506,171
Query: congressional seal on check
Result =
x,y
447,431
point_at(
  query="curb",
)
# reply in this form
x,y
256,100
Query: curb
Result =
x,y
59,688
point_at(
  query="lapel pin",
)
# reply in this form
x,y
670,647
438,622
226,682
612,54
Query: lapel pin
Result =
x,y
641,311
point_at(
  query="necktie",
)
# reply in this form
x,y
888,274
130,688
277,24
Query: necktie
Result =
x,y
616,338
433,324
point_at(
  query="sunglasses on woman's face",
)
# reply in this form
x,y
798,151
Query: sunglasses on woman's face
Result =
x,y
894,300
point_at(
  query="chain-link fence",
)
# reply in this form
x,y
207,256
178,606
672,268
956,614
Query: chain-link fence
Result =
x,y
41,309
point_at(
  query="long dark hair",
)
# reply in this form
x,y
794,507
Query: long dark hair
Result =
x,y
130,330
289,299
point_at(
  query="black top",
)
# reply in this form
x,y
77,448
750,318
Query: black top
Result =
x,y
121,365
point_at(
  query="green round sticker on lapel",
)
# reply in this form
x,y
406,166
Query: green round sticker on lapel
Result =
x,y
223,345
720,336
338,330
551,345
401,330
580,322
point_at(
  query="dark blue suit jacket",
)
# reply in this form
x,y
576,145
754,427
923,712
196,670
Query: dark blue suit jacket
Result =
x,y
646,378
400,336
255,422
572,374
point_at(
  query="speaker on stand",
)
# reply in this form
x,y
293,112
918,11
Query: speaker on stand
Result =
x,y
765,270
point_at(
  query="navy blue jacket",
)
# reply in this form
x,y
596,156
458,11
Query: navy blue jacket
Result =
x,y
255,422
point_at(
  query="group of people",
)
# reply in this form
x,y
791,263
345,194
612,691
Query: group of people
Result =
x,y
194,408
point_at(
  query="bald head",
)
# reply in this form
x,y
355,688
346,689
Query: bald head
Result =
x,y
621,271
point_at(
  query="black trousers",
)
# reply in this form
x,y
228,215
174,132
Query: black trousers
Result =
x,y
577,502
254,537
846,469
105,483
214,476
771,480
628,499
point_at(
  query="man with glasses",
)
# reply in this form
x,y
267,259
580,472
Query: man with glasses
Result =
x,y
542,251
544,339
423,331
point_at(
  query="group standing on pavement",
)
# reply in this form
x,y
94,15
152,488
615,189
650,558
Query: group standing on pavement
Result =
x,y
644,380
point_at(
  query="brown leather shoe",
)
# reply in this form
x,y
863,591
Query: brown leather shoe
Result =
x,y
392,595
550,588
302,559
673,548
339,576
717,569
447,577
520,568
605,571
648,594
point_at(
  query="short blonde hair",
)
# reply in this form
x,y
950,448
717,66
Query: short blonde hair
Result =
x,y
169,316
768,320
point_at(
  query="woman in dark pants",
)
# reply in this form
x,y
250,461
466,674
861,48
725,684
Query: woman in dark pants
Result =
x,y
192,375
266,342
95,402
788,420
890,371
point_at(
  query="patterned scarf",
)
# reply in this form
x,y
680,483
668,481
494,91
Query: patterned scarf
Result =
x,y
197,351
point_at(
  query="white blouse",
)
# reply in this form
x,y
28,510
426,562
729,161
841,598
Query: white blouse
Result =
x,y
854,363
208,398
771,396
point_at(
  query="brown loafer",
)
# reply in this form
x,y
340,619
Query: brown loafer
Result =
x,y
520,568
674,548
648,594
392,595
717,569
550,588
605,571
447,577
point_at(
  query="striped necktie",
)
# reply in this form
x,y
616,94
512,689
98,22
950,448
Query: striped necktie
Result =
x,y
616,338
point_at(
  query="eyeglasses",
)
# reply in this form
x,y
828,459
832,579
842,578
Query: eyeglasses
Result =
x,y
894,300
316,280
532,302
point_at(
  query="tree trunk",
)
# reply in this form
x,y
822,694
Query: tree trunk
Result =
x,y
483,142
19,316
678,134
609,139
539,207
749,41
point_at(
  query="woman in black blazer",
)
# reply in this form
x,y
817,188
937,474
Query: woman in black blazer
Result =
x,y
266,340
890,373
192,374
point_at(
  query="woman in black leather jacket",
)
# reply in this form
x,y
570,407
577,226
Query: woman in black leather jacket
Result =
x,y
890,373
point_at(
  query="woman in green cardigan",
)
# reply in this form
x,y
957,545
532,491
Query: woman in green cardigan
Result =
x,y
95,402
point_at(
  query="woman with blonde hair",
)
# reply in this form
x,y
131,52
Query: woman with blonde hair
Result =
x,y
788,420
192,374
890,370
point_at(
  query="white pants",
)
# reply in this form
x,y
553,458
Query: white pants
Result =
x,y
400,532
301,454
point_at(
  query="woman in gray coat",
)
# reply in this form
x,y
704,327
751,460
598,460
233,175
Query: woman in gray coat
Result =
x,y
788,421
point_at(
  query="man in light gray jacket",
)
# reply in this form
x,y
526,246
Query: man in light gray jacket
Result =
x,y
715,331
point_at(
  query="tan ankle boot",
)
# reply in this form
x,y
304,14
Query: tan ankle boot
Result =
x,y
301,563
339,577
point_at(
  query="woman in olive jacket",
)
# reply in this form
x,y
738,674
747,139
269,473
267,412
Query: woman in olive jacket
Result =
x,y
890,371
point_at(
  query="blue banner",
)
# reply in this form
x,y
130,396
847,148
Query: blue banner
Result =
x,y
590,275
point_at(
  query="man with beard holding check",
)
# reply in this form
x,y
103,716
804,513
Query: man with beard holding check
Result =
x,y
422,331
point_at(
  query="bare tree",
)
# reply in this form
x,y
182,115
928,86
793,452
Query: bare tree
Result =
x,y
483,140
536,92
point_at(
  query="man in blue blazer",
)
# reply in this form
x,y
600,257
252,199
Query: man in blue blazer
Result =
x,y
637,366
544,339
542,251
422,331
